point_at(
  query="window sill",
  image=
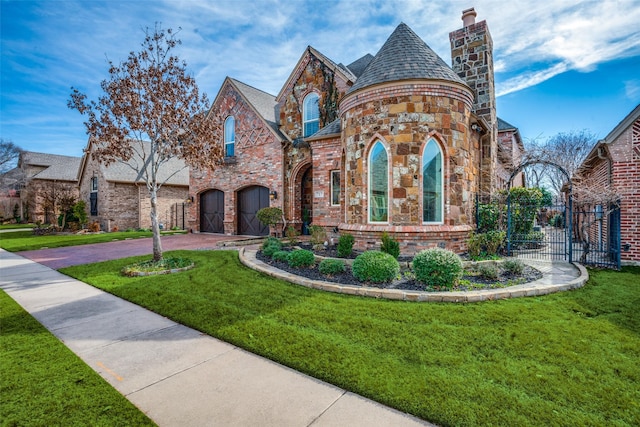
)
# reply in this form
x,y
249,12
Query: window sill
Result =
x,y
230,160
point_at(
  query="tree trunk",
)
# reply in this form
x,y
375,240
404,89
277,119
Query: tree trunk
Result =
x,y
155,225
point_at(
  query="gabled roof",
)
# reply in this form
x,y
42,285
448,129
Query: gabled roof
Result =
x,y
405,56
263,103
341,70
58,167
358,66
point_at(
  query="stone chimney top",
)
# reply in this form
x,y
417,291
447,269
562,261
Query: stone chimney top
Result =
x,y
469,17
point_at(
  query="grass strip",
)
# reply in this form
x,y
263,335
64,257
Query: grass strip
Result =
x,y
25,240
564,359
43,383
15,226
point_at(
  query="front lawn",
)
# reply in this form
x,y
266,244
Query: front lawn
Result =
x,y
42,383
15,226
564,359
25,240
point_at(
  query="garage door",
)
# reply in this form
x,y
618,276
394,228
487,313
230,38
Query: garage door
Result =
x,y
250,201
212,212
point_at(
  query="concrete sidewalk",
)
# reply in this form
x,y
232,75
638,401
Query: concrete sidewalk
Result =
x,y
176,375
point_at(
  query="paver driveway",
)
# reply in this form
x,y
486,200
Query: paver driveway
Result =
x,y
85,254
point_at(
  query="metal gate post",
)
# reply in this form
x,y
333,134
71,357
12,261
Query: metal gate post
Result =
x,y
509,224
570,227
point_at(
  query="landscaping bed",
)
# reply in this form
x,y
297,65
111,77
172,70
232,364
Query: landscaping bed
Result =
x,y
471,280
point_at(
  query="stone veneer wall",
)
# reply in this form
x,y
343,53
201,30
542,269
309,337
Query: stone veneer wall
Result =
x,y
404,116
472,60
258,160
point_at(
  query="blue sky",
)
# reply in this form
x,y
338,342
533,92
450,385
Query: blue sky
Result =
x,y
561,65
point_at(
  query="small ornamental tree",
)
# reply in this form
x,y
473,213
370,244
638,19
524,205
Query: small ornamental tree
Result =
x,y
270,216
149,113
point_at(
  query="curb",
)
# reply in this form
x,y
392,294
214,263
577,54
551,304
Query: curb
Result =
x,y
535,288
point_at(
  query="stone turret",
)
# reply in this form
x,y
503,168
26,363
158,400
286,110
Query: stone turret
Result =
x,y
472,60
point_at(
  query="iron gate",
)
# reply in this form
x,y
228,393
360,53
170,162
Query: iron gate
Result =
x,y
589,235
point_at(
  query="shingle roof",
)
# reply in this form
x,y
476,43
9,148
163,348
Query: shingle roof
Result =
x,y
503,125
330,129
122,172
405,56
63,168
264,103
358,66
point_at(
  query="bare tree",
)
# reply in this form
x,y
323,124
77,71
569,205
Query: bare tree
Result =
x,y
151,111
566,150
9,153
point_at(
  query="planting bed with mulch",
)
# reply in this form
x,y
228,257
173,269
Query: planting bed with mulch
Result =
x,y
470,281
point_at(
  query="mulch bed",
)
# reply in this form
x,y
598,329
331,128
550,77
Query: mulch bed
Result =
x,y
475,282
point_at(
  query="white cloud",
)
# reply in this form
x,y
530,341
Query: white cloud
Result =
x,y
632,89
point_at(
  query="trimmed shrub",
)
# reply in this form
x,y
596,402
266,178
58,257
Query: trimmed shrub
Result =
x,y
474,245
513,265
292,235
331,267
437,267
488,271
301,258
280,256
390,245
270,246
376,267
345,245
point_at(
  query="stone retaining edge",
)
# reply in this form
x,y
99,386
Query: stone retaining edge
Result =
x,y
536,288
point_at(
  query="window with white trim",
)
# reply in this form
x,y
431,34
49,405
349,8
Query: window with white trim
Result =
x,y
378,184
310,114
229,136
432,183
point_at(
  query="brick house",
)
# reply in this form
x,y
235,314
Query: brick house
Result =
x,y
613,167
116,200
43,180
397,142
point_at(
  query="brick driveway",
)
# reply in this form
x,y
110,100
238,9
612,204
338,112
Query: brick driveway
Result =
x,y
85,254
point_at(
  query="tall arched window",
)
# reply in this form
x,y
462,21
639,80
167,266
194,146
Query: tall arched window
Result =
x,y
229,136
378,184
310,114
432,183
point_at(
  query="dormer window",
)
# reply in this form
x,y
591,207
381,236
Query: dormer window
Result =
x,y
310,114
229,136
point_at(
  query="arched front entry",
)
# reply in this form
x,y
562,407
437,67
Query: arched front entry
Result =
x,y
250,201
212,211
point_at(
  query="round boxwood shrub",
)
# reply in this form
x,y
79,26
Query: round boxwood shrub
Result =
x,y
271,246
331,267
437,267
301,258
280,256
376,267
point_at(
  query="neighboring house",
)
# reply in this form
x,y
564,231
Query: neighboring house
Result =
x,y
612,168
510,154
116,200
398,142
44,180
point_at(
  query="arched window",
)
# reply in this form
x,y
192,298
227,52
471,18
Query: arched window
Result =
x,y
432,183
310,114
378,184
229,136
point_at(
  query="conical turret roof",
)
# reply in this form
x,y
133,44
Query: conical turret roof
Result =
x,y
405,56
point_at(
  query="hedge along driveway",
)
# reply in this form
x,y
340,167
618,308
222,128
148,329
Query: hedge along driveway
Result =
x,y
562,359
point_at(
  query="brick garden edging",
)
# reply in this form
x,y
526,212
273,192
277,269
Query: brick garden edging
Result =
x,y
535,288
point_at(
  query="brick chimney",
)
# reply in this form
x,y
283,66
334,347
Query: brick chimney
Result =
x,y
472,60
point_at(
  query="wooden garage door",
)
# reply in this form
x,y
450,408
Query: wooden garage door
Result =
x,y
250,201
212,212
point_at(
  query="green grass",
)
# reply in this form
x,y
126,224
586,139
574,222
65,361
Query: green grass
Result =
x,y
564,359
42,383
26,241
15,226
